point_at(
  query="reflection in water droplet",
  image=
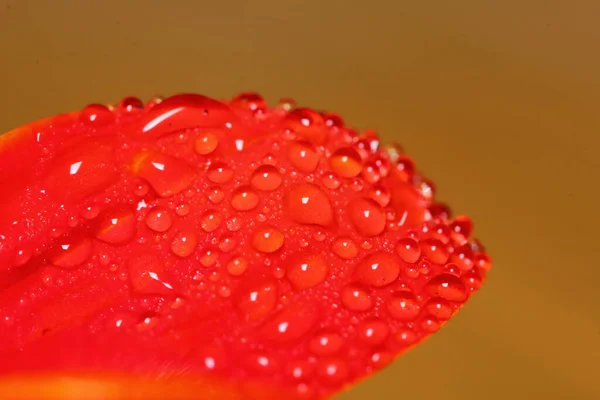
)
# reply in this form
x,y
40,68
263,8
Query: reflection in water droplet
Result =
x,y
219,172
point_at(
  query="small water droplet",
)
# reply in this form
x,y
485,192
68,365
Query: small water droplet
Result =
x,y
355,298
219,172
206,143
266,178
237,266
306,270
167,175
90,212
448,287
184,243
256,300
435,250
331,181
346,162
267,239
227,244
377,269
70,253
96,115
216,195
381,195
332,371
211,220
129,105
345,248
303,156
408,249
290,323
403,306
372,332
234,224
307,124
463,257
439,308
182,210
159,219
326,343
249,101
244,199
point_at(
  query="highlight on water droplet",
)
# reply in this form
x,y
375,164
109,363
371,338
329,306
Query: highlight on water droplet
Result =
x,y
266,178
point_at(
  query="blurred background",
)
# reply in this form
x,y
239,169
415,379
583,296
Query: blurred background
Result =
x,y
497,101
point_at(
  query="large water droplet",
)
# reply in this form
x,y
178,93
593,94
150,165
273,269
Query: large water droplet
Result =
x,y
306,270
307,204
367,216
266,178
117,225
267,239
303,156
377,269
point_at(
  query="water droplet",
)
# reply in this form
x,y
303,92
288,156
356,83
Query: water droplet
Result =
x,y
332,371
380,359
463,257
266,178
331,181
333,120
249,101
96,115
211,220
130,105
357,185
405,168
209,257
307,204
206,143
219,172
234,224
159,219
227,244
346,162
70,253
355,298
216,195
326,343
473,280
405,337
345,248
182,210
147,276
299,370
262,363
307,124
267,239
286,103
380,195
408,249
448,287
141,189
303,156
167,175
290,323
483,261
255,300
244,199
377,269
439,308
90,212
403,306
367,216
370,173
184,243
372,332
307,270
116,225
237,266
435,251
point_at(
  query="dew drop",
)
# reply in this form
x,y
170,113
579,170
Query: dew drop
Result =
x,y
307,124
346,162
256,300
299,370
159,219
448,287
206,143
331,181
167,175
70,253
216,195
403,306
326,343
130,105
408,249
307,204
237,266
290,323
219,172
227,244
116,225
463,257
306,270
184,243
367,216
435,250
267,239
266,178
147,276
345,248
249,101
372,332
244,199
333,371
96,115
355,298
377,269
380,195
439,308
182,210
211,220
303,157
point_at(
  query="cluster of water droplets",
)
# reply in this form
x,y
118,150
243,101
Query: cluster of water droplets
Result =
x,y
320,238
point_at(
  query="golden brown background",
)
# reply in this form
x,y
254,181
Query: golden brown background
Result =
x,y
498,102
